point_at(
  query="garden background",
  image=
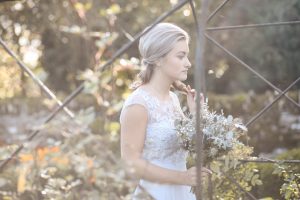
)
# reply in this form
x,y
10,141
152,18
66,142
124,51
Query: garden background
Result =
x,y
64,41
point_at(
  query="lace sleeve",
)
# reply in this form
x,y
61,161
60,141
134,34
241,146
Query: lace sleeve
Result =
x,y
133,100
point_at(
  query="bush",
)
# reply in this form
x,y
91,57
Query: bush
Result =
x,y
273,182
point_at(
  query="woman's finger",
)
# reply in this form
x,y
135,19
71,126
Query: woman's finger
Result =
x,y
201,98
193,91
206,170
194,94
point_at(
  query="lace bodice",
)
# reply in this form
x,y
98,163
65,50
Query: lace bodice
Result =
x,y
161,142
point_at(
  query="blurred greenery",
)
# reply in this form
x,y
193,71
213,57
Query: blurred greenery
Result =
x,y
273,176
64,41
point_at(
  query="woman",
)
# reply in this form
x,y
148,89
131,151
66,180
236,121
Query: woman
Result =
x,y
149,142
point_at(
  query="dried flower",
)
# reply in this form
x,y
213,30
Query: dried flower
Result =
x,y
220,133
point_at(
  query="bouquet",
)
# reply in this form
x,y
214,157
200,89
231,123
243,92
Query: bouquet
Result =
x,y
220,133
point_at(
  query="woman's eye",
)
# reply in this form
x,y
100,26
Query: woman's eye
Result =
x,y
180,57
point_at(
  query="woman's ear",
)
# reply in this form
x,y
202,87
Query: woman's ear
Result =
x,y
158,62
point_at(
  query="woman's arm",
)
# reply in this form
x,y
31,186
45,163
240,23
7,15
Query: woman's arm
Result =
x,y
133,133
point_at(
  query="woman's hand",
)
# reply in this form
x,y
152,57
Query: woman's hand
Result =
x,y
191,99
191,175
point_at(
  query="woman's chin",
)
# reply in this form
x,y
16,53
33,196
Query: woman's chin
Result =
x,y
183,78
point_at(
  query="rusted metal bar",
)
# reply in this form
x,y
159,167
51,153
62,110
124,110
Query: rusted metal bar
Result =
x,y
3,1
251,196
217,10
34,77
250,69
252,26
123,49
266,160
270,104
79,89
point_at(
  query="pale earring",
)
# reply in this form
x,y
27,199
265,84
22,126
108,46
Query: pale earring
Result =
x,y
158,64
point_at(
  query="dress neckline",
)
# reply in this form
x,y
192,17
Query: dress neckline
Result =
x,y
156,98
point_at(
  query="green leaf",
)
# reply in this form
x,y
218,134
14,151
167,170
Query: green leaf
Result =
x,y
258,182
254,179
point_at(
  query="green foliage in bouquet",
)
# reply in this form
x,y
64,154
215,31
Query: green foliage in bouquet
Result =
x,y
220,133
221,151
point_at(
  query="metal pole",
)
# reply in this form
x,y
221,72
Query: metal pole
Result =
x,y
199,80
210,183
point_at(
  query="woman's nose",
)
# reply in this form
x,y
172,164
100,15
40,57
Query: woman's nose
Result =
x,y
188,64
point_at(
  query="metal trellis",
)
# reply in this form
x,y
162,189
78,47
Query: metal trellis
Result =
x,y
199,80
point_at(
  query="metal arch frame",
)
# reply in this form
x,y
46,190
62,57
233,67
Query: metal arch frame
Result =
x,y
34,77
201,29
79,89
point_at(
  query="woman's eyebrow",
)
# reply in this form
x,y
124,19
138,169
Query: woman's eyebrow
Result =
x,y
184,52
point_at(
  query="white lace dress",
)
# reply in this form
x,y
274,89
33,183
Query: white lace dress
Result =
x,y
161,145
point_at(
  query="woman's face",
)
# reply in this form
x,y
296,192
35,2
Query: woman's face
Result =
x,y
176,63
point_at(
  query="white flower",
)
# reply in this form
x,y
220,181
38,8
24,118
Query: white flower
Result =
x,y
219,135
229,135
241,126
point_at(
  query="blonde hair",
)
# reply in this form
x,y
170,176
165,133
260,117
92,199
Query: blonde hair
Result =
x,y
155,44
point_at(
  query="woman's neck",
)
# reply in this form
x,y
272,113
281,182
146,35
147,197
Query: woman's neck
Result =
x,y
160,86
